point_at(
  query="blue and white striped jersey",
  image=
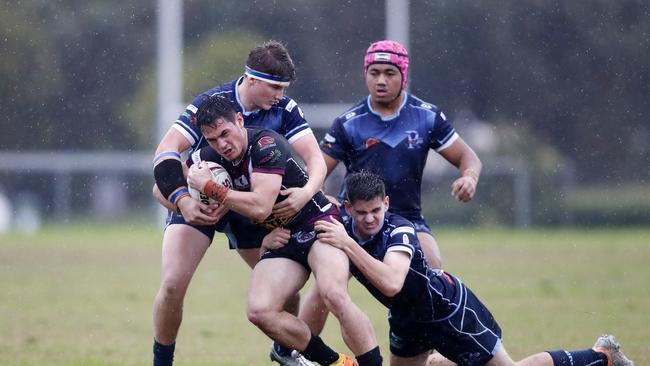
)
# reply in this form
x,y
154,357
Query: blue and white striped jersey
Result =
x,y
395,148
285,118
427,295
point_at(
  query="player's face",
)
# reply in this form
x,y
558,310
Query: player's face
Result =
x,y
384,82
368,216
265,95
228,138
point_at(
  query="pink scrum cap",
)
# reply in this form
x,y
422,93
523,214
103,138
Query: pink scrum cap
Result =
x,y
388,52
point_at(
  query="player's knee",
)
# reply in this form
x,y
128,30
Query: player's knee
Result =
x,y
335,298
260,316
171,293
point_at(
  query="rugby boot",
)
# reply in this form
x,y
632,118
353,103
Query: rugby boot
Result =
x,y
293,359
607,344
345,360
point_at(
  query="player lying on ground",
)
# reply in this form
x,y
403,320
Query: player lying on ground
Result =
x,y
260,164
429,308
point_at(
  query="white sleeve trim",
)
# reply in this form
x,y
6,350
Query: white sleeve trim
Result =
x,y
451,140
190,138
401,248
403,229
300,134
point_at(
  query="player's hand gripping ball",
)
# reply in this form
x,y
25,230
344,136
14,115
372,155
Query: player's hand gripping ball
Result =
x,y
219,175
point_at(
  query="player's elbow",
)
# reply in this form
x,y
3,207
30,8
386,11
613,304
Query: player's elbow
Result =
x,y
391,288
259,213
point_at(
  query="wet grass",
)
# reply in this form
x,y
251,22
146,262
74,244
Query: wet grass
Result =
x,y
82,295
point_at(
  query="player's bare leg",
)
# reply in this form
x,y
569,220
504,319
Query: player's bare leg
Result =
x,y
331,270
273,282
313,310
251,257
430,249
179,262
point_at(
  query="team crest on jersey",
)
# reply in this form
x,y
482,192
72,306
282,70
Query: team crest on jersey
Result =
x,y
266,142
303,237
413,139
273,156
371,142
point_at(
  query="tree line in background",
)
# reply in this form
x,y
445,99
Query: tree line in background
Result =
x,y
568,76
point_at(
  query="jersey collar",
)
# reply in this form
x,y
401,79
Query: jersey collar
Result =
x,y
391,117
241,105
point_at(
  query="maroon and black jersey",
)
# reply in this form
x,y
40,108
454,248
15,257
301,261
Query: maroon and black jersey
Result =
x,y
268,152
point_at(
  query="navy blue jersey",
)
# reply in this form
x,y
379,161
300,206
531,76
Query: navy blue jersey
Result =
x,y
395,148
427,295
268,152
286,118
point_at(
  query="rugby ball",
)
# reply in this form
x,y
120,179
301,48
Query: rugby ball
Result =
x,y
219,175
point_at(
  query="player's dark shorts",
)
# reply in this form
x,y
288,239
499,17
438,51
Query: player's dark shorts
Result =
x,y
302,238
240,231
469,337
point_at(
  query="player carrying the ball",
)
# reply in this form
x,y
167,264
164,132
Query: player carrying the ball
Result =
x,y
260,164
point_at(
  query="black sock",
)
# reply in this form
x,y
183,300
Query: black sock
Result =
x,y
282,350
370,358
318,351
578,358
163,355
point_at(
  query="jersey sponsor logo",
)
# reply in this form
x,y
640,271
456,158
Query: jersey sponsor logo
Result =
x,y
413,139
290,105
371,142
426,105
302,115
192,108
304,237
272,157
266,142
350,115
241,183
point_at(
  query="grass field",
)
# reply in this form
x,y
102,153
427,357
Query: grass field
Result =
x,y
83,295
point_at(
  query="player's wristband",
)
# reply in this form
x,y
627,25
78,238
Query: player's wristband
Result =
x,y
169,176
216,191
176,196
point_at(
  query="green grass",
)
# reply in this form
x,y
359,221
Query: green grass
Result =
x,y
83,295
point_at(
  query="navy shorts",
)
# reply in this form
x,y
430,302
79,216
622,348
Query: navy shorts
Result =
x,y
469,337
302,238
240,231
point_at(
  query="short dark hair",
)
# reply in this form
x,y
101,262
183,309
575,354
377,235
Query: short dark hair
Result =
x,y
272,57
364,186
214,108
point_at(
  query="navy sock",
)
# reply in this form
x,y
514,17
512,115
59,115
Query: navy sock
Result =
x,y
370,358
163,355
282,350
318,351
578,358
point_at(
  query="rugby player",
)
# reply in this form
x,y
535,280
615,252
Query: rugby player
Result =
x,y
429,308
260,164
259,95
